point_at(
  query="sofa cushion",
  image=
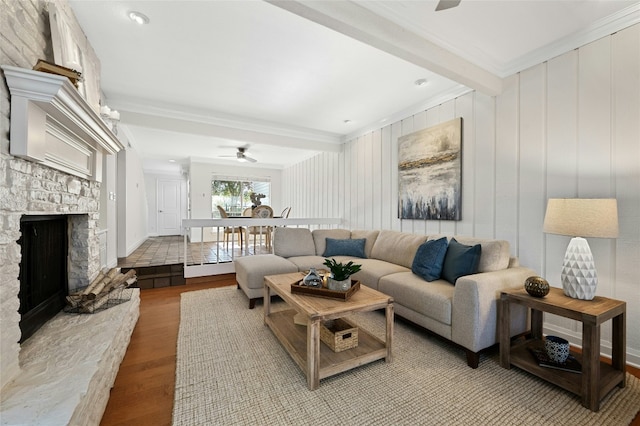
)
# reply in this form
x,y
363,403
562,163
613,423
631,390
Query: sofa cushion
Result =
x,y
495,254
346,247
433,300
320,236
289,242
397,247
460,260
374,269
251,270
305,262
370,236
429,259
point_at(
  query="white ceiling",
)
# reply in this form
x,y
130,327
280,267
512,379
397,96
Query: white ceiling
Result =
x,y
204,77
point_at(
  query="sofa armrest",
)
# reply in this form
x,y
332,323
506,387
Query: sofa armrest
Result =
x,y
474,316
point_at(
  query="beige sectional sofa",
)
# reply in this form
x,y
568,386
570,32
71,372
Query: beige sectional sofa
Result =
x,y
464,313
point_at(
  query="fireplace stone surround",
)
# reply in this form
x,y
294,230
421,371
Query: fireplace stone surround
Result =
x,y
68,366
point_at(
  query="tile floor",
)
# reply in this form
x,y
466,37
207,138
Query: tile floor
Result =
x,y
157,251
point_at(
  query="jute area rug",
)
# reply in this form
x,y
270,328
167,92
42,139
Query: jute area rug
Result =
x,y
231,370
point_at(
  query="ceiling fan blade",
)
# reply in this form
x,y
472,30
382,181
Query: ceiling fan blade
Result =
x,y
251,160
447,4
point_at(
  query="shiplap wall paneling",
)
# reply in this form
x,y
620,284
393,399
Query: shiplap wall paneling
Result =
x,y
341,164
468,164
561,161
595,178
432,119
406,225
348,174
532,164
448,111
508,163
301,193
388,192
595,174
325,186
485,155
318,196
419,123
366,191
626,159
296,200
358,183
334,188
322,195
376,180
396,131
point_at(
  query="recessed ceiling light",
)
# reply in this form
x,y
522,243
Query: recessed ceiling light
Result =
x,y
172,161
347,121
421,82
138,18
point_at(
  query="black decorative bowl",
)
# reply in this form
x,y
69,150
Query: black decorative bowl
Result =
x,y
536,286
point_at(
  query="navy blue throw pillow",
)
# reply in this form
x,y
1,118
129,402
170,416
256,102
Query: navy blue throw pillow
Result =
x,y
345,247
460,260
429,259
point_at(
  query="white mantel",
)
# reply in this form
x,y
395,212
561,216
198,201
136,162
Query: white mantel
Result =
x,y
52,124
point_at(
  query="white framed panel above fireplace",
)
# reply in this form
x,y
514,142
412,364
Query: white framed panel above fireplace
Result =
x,y
52,124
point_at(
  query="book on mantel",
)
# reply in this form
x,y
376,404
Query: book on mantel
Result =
x,y
44,66
571,365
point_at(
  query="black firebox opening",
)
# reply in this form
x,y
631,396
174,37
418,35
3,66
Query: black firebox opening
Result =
x,y
43,270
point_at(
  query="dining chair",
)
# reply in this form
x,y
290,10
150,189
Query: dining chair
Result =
x,y
228,230
261,212
285,213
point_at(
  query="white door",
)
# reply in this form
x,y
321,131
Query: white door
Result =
x,y
169,207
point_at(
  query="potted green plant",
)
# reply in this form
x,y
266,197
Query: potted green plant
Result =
x,y
340,274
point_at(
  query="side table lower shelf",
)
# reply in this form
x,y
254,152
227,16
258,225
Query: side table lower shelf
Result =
x,y
522,358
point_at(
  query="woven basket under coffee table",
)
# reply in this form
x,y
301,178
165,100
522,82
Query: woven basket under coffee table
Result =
x,y
303,343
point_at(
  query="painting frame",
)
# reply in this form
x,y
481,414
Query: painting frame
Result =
x,y
72,49
430,173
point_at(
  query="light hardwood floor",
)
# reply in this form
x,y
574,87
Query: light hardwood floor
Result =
x,y
143,391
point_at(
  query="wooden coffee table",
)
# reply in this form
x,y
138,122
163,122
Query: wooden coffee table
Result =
x,y
303,343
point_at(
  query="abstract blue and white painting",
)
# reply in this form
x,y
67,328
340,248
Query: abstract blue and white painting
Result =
x,y
429,175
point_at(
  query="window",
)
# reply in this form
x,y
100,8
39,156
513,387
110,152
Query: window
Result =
x,y
234,194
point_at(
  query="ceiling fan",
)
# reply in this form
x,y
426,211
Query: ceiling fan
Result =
x,y
447,4
241,155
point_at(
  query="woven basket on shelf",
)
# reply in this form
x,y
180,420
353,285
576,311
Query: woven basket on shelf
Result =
x,y
339,334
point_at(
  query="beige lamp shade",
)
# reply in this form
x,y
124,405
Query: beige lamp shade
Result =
x,y
582,217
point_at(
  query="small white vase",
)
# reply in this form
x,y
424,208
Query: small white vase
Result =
x,y
343,285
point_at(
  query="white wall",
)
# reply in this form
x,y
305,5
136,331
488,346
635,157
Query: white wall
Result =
x,y
566,128
200,175
108,208
131,203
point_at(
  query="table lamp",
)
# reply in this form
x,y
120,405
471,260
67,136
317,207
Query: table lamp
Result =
x,y
578,218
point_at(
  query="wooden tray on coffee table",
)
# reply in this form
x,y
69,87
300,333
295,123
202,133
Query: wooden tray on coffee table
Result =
x,y
296,288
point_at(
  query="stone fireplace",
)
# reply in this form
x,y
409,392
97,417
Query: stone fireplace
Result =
x,y
34,189
53,168
62,240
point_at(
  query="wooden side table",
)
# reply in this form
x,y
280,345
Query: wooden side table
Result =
x,y
597,378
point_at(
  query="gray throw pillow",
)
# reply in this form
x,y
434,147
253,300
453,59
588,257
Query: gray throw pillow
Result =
x,y
347,247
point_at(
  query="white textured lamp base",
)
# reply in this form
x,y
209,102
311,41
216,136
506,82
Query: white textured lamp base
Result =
x,y
579,278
